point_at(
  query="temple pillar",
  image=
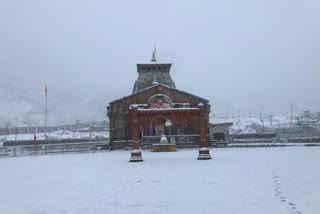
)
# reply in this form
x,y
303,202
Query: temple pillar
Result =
x,y
136,153
204,153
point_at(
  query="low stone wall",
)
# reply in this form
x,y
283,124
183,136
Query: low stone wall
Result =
x,y
121,144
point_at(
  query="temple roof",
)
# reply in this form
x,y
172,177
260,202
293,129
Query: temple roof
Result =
x,y
150,66
156,85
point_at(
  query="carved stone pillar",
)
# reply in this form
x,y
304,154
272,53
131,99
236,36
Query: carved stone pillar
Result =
x,y
204,153
136,153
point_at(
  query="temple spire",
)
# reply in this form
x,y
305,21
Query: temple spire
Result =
x,y
154,54
155,81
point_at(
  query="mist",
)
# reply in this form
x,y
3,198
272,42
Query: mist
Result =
x,y
251,56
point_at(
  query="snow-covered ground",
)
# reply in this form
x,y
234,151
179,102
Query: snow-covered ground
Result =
x,y
256,180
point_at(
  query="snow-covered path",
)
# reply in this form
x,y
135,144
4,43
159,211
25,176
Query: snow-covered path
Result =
x,y
248,180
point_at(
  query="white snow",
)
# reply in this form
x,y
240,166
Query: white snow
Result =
x,y
249,181
203,149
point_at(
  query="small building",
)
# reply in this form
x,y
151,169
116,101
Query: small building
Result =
x,y
219,133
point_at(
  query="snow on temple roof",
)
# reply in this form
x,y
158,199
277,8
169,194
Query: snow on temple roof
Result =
x,y
163,85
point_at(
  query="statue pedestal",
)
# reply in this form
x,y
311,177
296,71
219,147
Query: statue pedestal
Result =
x,y
136,156
204,154
159,147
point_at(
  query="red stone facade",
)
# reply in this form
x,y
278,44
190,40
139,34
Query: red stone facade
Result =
x,y
147,113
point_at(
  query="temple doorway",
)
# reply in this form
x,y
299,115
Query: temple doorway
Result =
x,y
158,126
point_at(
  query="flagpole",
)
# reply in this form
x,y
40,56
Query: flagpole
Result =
x,y
45,120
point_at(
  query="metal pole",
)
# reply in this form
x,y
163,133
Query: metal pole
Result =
x,y
15,138
35,141
262,121
90,131
45,121
291,115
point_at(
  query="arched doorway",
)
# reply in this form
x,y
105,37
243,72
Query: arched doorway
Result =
x,y
158,125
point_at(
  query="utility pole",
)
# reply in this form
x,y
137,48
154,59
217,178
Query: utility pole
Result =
x,y
35,141
15,138
45,120
250,116
270,118
262,121
291,116
239,116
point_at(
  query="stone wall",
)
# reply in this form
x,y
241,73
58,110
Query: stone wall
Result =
x,y
155,72
119,109
146,79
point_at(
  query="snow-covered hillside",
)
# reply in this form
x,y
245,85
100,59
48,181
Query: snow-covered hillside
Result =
x,y
23,106
244,124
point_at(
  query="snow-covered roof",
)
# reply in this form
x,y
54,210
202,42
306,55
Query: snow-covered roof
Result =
x,y
155,63
156,85
219,127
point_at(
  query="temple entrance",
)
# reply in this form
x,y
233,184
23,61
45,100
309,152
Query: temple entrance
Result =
x,y
158,126
192,124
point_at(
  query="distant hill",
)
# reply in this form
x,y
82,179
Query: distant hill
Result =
x,y
20,107
23,106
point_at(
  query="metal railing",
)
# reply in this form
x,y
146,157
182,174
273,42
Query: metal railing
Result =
x,y
40,129
316,126
121,144
283,125
45,149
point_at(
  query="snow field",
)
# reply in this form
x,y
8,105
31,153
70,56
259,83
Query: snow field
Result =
x,y
237,180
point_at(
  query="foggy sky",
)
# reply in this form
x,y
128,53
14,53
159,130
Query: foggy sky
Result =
x,y
250,55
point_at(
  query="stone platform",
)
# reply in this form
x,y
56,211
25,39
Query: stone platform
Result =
x,y
159,147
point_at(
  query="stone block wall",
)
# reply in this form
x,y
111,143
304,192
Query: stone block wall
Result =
x,y
118,110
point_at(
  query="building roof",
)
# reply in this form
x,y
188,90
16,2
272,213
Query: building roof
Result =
x,y
220,127
156,85
155,63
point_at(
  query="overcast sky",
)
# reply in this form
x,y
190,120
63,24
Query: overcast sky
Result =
x,y
251,55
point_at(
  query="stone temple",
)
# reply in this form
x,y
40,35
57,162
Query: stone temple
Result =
x,y
155,108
